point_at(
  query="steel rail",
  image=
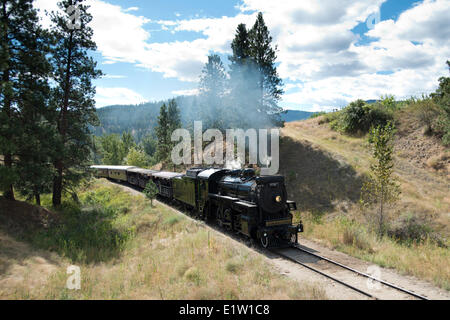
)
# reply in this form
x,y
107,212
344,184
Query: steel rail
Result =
x,y
323,274
363,274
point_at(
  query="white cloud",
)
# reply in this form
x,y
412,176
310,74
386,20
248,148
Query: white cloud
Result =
x,y
132,9
113,76
114,96
188,92
318,52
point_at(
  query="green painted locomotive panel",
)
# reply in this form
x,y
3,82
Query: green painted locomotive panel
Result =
x,y
184,189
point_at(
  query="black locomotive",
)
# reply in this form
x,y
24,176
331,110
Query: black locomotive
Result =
x,y
238,200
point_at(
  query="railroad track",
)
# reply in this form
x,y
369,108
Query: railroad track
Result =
x,y
346,284
333,278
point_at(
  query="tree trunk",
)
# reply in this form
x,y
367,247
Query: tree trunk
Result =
x,y
57,185
37,196
9,191
58,179
381,212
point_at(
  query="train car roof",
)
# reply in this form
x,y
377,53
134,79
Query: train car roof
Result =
x,y
140,170
208,173
166,175
113,167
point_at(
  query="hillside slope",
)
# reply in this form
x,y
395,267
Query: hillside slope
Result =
x,y
324,172
325,169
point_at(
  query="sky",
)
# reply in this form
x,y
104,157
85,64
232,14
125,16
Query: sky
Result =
x,y
330,52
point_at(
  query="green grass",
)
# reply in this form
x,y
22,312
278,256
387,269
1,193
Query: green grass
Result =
x,y
95,230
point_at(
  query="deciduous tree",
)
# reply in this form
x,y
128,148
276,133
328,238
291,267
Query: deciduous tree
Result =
x,y
151,191
381,188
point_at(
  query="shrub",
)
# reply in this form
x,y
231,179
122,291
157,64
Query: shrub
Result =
x,y
193,275
442,98
151,191
355,237
360,117
412,228
233,266
329,117
318,114
388,102
428,114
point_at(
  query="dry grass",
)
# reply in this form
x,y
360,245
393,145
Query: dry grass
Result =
x,y
440,161
423,189
169,257
424,260
425,194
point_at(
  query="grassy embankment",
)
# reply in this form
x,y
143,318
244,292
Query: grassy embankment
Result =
x,y
325,170
129,250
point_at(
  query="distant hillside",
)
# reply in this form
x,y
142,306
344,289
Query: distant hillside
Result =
x,y
295,115
141,119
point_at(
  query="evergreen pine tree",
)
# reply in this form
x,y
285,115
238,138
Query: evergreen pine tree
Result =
x,y
243,98
128,142
73,95
25,134
162,134
240,46
173,116
212,92
268,80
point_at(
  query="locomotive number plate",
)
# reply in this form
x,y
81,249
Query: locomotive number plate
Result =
x,y
278,222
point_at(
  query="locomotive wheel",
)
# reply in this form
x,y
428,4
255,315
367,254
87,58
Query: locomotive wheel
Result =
x,y
265,241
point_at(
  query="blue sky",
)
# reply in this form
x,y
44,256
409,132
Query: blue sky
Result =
x,y
330,52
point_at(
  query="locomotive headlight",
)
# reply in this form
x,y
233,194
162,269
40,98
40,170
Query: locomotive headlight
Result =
x,y
278,199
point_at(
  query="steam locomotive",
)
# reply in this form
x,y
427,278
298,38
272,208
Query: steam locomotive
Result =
x,y
238,200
